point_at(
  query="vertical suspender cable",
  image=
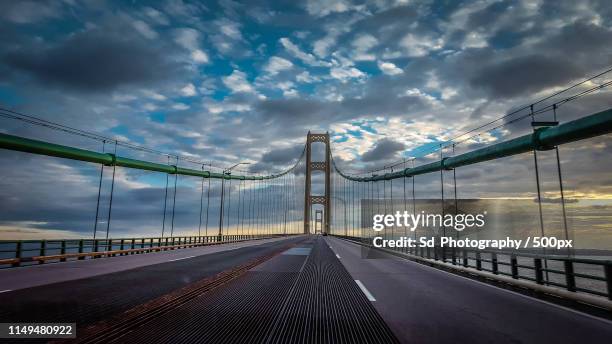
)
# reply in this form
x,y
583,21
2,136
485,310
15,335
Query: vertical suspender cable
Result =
x,y
207,206
174,201
405,205
264,205
229,204
443,249
242,220
286,195
294,202
363,196
268,205
353,207
413,199
391,203
385,199
455,192
251,217
110,203
99,192
201,206
562,194
442,191
249,185
264,208
274,197
276,201
370,203
261,208
239,223
537,175
165,202
270,202
345,207
258,216
221,205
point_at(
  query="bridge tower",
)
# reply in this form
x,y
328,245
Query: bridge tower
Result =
x,y
324,166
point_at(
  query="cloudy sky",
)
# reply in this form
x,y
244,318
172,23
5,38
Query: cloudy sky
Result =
x,y
228,81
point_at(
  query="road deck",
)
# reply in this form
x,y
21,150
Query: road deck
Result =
x,y
303,295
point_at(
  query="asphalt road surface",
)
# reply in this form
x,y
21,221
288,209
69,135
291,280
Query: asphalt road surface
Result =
x,y
426,305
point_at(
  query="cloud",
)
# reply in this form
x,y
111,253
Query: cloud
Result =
x,y
189,90
322,8
180,106
321,46
345,73
306,77
237,82
26,12
189,39
277,157
118,61
389,68
524,74
157,16
294,50
230,29
384,149
199,56
362,45
277,64
420,45
184,10
144,29
227,38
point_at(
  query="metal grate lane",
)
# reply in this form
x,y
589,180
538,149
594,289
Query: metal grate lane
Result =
x,y
327,306
241,311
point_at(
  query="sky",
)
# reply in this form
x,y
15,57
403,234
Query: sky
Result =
x,y
228,81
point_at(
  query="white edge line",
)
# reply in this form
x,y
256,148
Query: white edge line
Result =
x,y
174,260
337,255
365,290
5,291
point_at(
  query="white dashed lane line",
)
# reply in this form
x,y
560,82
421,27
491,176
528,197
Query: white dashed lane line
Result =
x,y
365,290
174,260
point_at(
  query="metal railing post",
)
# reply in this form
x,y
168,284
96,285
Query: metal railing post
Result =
x,y
608,274
81,249
537,266
494,265
514,267
43,246
570,279
18,252
63,250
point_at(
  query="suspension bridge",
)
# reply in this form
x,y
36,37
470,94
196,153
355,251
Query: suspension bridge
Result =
x,y
254,270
